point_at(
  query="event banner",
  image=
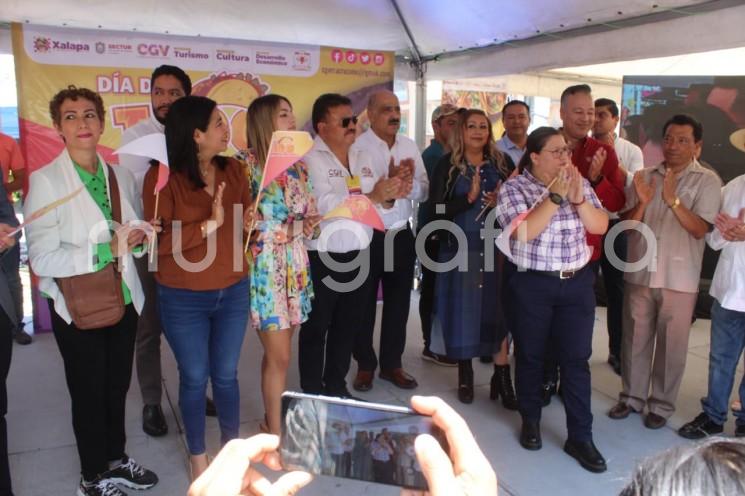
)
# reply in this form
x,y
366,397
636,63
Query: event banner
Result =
x,y
233,72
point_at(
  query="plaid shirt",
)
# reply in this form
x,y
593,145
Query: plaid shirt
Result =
x,y
562,245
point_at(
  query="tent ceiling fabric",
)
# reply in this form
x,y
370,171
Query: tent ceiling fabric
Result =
x,y
438,27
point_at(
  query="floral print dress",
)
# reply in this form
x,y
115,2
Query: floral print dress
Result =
x,y
281,288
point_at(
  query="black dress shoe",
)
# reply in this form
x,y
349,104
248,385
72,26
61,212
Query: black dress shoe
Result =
x,y
210,410
654,421
398,377
530,435
739,430
700,427
586,454
153,421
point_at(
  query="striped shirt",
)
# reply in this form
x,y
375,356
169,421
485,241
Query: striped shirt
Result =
x,y
562,245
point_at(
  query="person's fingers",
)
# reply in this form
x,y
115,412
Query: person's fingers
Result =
x,y
226,474
219,192
289,484
256,483
463,447
436,466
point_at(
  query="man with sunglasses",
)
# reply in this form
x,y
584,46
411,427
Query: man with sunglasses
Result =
x,y
392,254
339,257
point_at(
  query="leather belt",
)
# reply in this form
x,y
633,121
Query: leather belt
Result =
x,y
561,274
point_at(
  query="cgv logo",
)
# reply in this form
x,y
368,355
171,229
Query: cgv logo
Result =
x,y
153,50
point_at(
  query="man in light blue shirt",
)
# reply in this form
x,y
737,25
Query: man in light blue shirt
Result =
x,y
516,120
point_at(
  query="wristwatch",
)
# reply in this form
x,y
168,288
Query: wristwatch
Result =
x,y
674,204
556,198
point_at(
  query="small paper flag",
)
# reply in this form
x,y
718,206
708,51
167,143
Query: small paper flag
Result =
x,y
152,146
358,208
286,148
45,210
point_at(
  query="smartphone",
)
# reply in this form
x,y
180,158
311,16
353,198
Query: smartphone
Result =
x,y
339,437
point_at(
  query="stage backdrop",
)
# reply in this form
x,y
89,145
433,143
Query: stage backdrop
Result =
x,y
232,72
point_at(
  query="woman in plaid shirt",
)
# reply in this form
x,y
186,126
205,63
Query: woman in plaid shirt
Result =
x,y
548,295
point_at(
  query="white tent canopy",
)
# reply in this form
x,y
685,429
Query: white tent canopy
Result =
x,y
433,39
470,38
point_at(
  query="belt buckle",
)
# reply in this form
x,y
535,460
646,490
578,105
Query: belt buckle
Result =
x,y
566,274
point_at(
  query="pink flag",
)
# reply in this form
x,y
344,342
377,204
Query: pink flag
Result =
x,y
503,241
286,148
151,146
358,208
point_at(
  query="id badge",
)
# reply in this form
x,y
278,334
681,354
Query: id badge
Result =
x,y
353,185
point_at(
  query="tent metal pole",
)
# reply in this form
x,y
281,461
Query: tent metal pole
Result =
x,y
420,123
420,67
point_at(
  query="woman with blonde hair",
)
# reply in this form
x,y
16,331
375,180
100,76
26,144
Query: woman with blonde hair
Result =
x,y
281,289
467,320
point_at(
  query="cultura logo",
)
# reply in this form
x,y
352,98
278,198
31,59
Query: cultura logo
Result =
x,y
42,44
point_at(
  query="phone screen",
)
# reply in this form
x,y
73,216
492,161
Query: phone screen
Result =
x,y
351,439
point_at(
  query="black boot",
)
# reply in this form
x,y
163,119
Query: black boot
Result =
x,y
465,381
501,384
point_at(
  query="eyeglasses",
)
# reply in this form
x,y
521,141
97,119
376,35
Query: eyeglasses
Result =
x,y
558,152
346,120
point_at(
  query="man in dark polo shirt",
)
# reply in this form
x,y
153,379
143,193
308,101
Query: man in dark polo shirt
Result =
x,y
444,119
598,163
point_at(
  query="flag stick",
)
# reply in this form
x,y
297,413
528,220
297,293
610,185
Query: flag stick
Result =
x,y
155,216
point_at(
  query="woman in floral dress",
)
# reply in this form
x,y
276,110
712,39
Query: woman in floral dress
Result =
x,y
281,289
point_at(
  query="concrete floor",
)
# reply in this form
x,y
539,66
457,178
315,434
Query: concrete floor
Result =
x,y
43,458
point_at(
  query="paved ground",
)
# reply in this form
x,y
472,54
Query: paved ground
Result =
x,y
44,459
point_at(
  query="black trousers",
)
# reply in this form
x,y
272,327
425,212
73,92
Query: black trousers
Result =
x,y
613,281
98,369
551,362
427,290
546,312
397,284
6,349
327,338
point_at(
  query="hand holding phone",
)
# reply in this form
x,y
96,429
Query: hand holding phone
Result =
x,y
231,471
466,471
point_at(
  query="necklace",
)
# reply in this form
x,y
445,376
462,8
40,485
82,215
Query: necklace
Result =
x,y
204,171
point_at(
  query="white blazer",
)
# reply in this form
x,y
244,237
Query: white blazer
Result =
x,y
62,243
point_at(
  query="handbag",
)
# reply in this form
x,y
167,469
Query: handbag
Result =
x,y
96,300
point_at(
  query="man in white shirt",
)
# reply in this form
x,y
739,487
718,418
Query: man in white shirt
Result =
x,y
167,84
327,338
392,254
727,312
631,160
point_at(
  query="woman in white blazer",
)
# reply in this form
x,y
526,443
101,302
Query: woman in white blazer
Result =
x,y
74,239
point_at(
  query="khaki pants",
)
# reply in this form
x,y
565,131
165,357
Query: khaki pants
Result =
x,y
656,326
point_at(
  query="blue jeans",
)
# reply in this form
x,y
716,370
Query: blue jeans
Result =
x,y
205,330
727,344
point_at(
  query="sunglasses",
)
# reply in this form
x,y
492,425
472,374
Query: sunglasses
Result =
x,y
346,120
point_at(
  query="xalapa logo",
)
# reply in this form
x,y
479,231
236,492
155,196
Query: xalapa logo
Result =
x,y
42,44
